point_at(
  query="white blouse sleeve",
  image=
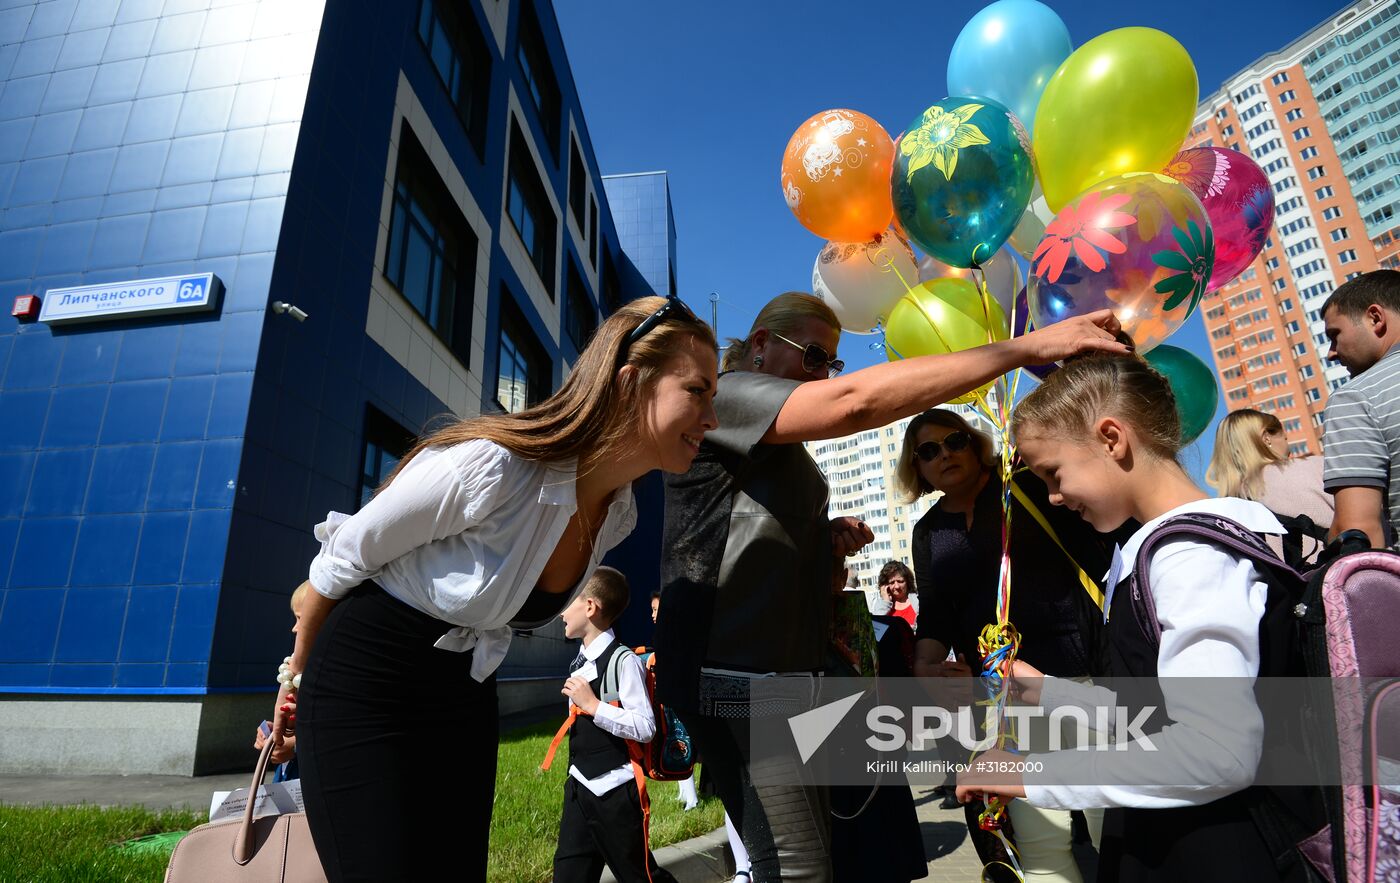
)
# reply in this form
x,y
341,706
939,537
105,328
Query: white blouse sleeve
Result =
x,y
1209,604
441,492
634,718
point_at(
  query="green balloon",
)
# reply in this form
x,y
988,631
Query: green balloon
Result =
x,y
1194,385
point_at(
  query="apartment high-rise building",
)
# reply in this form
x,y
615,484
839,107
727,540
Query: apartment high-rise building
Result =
x,y
1322,117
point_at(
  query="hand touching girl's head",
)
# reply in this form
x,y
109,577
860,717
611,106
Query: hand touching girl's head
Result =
x,y
1099,431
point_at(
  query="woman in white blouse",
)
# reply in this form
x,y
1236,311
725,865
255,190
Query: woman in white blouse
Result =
x,y
490,524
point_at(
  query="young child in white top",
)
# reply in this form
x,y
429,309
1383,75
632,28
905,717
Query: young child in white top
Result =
x,y
1103,434
599,827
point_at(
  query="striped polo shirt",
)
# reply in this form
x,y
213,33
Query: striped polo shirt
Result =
x,y
1361,445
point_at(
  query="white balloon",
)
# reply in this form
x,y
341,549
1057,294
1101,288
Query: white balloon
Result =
x,y
862,281
1031,228
1002,271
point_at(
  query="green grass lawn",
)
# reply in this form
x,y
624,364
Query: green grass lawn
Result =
x,y
74,844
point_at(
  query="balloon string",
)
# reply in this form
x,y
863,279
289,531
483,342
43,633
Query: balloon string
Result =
x,y
999,641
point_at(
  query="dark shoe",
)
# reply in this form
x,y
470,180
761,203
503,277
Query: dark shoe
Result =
x,y
950,801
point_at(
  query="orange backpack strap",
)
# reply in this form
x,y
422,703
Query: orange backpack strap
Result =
x,y
559,736
645,800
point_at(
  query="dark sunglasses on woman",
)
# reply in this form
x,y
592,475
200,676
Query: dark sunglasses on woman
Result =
x,y
815,360
673,303
954,441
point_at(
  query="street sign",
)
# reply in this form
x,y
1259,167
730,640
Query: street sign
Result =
x,y
124,300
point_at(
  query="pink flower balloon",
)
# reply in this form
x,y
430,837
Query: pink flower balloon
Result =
x,y
1238,200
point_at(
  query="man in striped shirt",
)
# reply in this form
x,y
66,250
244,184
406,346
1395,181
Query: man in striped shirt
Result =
x,y
1361,448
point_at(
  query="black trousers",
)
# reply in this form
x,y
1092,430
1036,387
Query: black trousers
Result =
x,y
397,744
594,831
783,818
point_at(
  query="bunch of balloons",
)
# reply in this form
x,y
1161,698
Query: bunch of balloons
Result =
x,y
1069,160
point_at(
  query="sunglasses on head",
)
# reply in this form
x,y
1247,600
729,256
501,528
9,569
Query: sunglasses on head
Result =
x,y
954,441
673,303
815,359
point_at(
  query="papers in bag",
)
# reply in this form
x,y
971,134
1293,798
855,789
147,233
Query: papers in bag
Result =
x,y
273,800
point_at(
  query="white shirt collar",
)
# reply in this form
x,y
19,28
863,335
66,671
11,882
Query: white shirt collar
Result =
x,y
559,487
592,651
1253,516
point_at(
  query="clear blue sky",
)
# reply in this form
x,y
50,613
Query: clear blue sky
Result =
x,y
711,92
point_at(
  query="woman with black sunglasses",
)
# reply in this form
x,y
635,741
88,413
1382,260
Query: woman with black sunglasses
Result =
x,y
752,557
957,561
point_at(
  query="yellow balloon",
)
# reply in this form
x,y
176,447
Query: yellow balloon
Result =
x,y
944,315
1123,102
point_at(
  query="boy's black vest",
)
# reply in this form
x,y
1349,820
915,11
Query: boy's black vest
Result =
x,y
591,748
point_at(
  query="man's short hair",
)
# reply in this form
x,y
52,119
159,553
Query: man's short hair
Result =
x,y
609,588
1381,287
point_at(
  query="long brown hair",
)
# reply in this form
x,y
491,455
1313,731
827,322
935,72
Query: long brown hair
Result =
x,y
1068,402
590,412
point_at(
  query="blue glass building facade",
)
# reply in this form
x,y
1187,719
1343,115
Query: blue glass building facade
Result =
x,y
416,177
646,226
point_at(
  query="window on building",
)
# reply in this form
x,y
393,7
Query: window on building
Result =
x,y
1284,183
1285,305
452,38
539,75
385,444
580,318
1331,213
611,282
1314,394
1316,172
1347,256
1286,96
592,227
1294,327
1280,77
1271,264
1307,153
523,368
431,255
1324,192
529,209
1306,371
1294,114
1228,130
578,187
1339,234
1280,284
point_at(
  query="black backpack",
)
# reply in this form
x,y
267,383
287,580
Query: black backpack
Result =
x,y
1310,831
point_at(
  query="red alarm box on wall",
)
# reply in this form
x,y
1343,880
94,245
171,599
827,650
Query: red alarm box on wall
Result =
x,y
26,307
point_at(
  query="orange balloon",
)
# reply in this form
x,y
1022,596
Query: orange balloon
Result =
x,y
836,176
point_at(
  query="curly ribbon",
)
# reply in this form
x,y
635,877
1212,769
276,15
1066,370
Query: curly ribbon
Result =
x,y
999,641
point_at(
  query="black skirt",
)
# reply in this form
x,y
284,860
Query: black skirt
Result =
x,y
397,745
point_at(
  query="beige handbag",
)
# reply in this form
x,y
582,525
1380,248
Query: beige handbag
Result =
x,y
272,849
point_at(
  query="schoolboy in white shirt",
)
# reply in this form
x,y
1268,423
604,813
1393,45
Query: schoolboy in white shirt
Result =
x,y
602,817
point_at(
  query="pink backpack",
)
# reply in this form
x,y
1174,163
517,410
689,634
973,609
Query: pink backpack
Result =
x,y
1361,602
